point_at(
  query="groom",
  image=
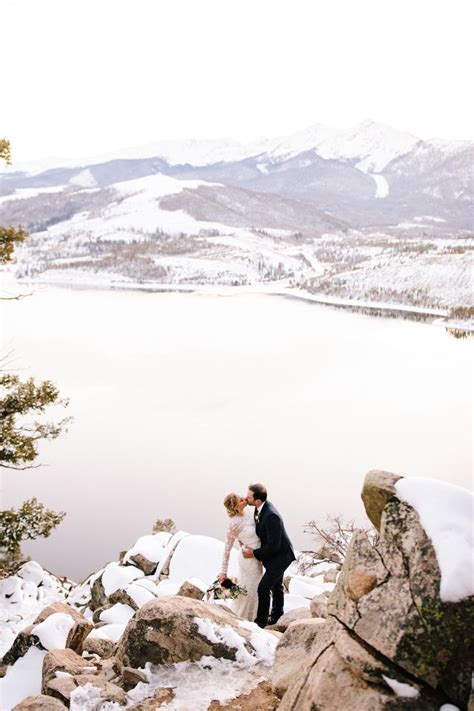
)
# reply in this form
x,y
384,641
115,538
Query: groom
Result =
x,y
276,553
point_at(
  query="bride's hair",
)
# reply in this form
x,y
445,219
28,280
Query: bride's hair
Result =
x,y
231,503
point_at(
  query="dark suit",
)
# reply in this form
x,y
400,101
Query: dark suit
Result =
x,y
276,554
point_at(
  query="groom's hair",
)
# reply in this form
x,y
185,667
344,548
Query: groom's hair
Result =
x,y
259,491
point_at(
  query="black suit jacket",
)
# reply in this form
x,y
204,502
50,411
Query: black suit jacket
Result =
x,y
276,548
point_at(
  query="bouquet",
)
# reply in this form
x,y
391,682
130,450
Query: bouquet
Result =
x,y
228,589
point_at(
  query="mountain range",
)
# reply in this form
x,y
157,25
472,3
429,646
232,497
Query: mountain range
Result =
x,y
315,208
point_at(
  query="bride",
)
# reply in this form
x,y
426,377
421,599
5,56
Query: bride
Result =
x,y
242,528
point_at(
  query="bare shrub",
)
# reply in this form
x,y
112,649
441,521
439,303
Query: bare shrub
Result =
x,y
332,539
164,525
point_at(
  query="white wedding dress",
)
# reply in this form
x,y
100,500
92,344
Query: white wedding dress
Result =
x,y
242,530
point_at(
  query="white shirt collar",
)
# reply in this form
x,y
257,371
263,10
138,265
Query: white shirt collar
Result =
x,y
259,510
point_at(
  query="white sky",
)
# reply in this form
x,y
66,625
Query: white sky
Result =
x,y
83,77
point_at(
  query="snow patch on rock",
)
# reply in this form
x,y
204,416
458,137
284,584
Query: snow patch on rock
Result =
x,y
446,513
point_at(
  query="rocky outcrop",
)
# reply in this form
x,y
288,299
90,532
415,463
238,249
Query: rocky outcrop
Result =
x,y
176,629
390,640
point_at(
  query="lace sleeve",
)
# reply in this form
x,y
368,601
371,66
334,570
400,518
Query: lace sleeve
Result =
x,y
232,533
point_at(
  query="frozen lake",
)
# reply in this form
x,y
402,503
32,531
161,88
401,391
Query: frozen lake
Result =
x,y
179,399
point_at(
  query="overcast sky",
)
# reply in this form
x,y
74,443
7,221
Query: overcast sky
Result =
x,y
83,77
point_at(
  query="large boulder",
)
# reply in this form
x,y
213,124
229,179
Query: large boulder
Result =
x,y
292,652
39,702
62,660
176,629
391,638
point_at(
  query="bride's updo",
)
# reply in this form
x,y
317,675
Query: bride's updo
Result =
x,y
231,503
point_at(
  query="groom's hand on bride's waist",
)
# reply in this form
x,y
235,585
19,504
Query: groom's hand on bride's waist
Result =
x,y
247,552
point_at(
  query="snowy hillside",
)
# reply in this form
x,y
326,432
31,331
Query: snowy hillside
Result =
x,y
159,232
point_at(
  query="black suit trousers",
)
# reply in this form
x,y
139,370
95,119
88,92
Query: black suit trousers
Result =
x,y
271,584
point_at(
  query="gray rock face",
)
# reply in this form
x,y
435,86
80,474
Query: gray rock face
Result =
x,y
386,618
165,631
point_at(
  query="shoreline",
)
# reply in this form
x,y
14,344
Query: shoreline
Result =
x,y
438,317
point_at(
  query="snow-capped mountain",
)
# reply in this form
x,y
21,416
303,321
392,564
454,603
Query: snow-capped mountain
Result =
x,y
370,174
367,140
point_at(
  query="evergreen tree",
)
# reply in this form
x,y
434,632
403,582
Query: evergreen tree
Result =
x,y
19,436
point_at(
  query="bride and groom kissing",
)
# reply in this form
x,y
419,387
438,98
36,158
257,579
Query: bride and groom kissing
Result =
x,y
265,554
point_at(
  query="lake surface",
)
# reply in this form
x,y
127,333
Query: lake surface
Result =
x,y
179,399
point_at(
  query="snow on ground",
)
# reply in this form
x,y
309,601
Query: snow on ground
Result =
x,y
22,679
23,596
444,278
84,179
198,683
381,186
446,513
304,586
265,642
23,193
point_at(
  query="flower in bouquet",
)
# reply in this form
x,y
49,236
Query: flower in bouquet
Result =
x,y
228,589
